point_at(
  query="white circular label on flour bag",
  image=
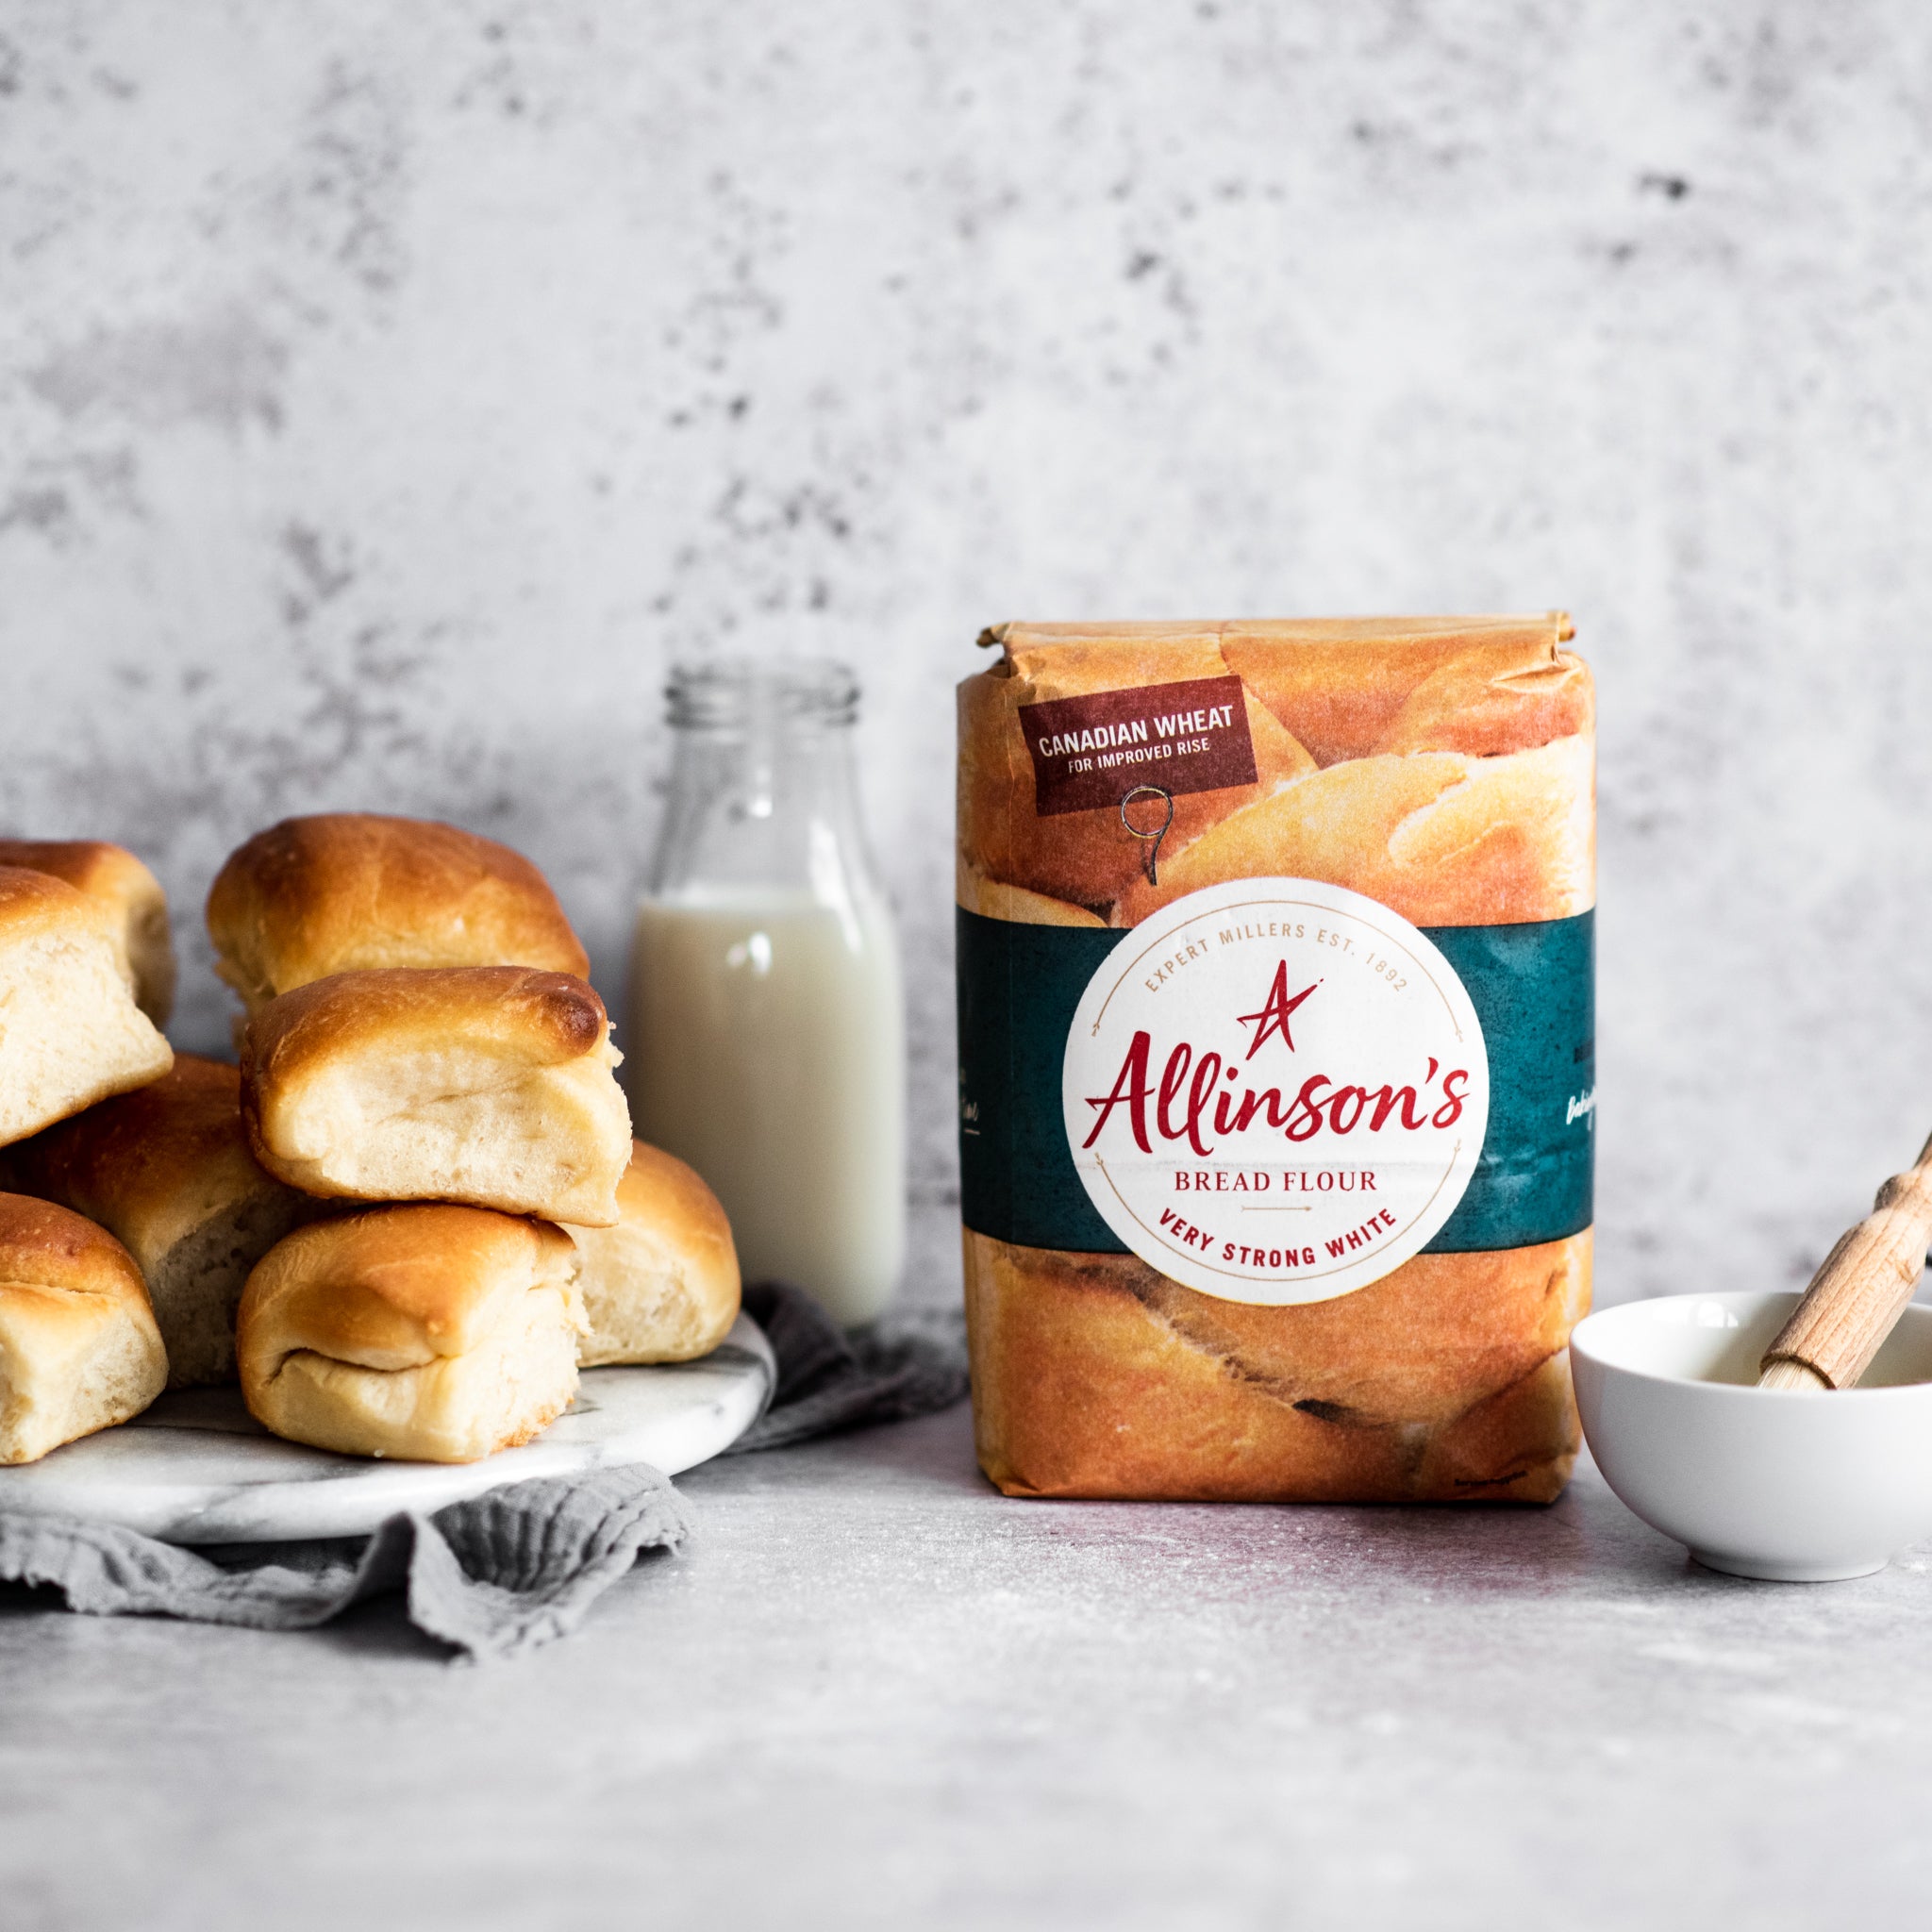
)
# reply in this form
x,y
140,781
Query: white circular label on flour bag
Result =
x,y
1275,1091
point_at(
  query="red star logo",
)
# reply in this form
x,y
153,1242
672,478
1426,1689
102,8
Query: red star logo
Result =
x,y
1274,1012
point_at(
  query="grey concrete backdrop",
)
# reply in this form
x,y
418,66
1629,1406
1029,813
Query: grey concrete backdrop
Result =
x,y
387,393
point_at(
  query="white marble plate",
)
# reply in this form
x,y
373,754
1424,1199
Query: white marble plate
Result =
x,y
197,1467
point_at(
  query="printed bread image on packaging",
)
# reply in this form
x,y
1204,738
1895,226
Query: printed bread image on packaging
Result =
x,y
1276,1086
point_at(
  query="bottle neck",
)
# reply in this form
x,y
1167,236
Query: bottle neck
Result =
x,y
764,798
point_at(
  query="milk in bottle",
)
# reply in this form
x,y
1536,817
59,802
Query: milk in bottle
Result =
x,y
767,1032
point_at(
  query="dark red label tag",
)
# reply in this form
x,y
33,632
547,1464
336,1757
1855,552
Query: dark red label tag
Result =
x,y
1090,752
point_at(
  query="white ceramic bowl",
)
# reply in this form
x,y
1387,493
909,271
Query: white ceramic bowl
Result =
x,y
1799,1487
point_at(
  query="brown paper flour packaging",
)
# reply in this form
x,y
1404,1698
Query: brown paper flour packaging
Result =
x,y
1276,1057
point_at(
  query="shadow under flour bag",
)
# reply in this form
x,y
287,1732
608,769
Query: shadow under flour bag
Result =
x,y
1277,1087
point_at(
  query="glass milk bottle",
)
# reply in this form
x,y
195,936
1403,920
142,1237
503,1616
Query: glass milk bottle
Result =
x,y
767,1038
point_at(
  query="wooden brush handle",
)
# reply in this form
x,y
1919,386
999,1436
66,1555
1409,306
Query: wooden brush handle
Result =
x,y
1856,1299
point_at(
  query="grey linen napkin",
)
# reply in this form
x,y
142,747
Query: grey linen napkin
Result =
x,y
829,1378
502,1573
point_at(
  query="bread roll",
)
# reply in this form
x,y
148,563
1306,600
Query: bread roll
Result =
x,y
78,1346
492,1085
112,874
350,892
437,1333
70,1032
167,1172
662,1285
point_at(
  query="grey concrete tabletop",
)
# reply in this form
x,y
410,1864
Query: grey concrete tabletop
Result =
x,y
872,1692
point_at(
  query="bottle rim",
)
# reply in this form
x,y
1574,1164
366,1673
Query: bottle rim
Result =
x,y
727,693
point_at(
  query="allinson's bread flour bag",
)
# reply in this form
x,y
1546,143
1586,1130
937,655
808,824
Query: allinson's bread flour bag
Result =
x,y
1276,1041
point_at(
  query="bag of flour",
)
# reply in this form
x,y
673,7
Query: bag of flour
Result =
x,y
1276,1077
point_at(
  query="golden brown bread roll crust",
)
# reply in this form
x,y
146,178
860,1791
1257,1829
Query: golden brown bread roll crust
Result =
x,y
662,1285
492,1085
78,1346
167,1172
72,1033
349,891
112,874
1445,1381
437,1333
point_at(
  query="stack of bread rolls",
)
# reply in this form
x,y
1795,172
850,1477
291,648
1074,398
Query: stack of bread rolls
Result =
x,y
408,1216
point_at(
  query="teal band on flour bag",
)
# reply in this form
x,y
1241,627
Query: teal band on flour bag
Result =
x,y
1532,987
1018,988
